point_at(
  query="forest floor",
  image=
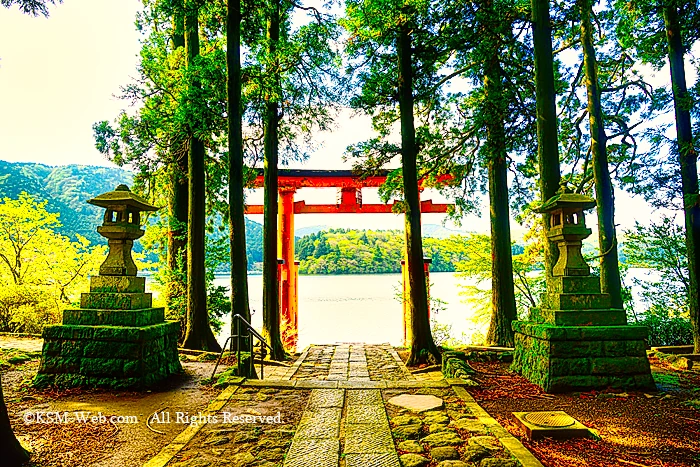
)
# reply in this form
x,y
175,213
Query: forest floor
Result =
x,y
637,429
101,443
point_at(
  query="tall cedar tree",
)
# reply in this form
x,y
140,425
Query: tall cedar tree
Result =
x,y
422,346
390,41
198,334
13,453
660,31
236,200
607,238
547,139
503,309
292,92
271,314
178,199
688,160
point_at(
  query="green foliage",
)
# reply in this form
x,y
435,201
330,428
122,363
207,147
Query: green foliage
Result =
x,y
660,247
40,270
528,276
171,285
667,330
27,309
31,7
346,251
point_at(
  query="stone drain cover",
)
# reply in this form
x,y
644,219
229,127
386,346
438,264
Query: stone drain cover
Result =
x,y
549,419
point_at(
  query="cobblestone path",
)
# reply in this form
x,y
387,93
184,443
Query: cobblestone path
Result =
x,y
337,411
348,362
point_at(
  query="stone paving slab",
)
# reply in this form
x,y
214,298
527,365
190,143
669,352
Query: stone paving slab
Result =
x,y
362,384
368,439
313,384
317,439
365,413
265,383
364,397
321,416
322,398
372,460
313,452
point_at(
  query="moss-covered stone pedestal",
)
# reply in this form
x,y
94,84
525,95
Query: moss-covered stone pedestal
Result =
x,y
106,344
581,358
116,338
576,340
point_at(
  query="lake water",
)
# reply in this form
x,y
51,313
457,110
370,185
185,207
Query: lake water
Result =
x,y
361,307
364,307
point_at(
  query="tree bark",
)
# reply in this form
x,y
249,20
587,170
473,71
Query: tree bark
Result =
x,y
503,309
198,335
423,347
688,160
177,235
236,199
271,309
547,133
13,454
610,282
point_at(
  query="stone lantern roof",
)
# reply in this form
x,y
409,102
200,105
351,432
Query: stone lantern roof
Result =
x,y
122,196
564,200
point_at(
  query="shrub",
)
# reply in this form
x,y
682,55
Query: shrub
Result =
x,y
665,330
27,309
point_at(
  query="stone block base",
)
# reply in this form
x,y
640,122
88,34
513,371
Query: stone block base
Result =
x,y
116,300
581,358
108,356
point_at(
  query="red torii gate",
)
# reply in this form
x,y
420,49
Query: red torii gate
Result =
x,y
349,201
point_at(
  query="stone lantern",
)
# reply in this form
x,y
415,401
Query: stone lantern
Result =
x,y
121,226
567,229
116,338
575,340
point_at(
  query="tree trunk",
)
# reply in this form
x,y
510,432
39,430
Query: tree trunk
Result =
x,y
236,199
503,309
271,309
178,199
688,159
13,454
423,348
198,335
177,235
610,282
547,134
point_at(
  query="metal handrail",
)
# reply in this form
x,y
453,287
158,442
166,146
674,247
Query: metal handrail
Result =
x,y
238,336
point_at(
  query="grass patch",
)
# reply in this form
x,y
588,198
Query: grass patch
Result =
x,y
9,357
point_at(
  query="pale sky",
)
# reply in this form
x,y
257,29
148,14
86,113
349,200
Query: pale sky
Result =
x,y
59,75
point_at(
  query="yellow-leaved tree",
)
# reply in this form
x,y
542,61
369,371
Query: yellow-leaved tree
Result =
x,y
41,271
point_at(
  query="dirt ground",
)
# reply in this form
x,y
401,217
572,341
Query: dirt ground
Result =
x,y
638,429
102,442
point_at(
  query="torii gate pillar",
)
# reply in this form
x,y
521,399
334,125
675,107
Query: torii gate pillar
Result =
x,y
289,273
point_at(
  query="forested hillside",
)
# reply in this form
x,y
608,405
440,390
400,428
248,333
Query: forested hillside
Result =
x,y
344,251
66,188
